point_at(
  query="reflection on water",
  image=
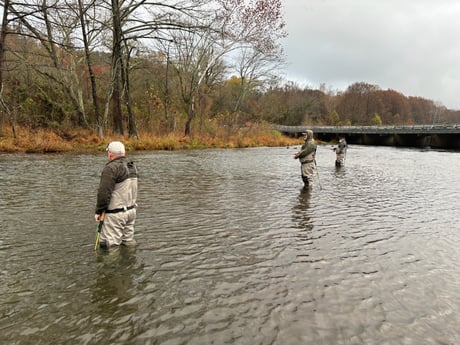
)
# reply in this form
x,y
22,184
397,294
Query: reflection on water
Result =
x,y
301,212
114,295
232,250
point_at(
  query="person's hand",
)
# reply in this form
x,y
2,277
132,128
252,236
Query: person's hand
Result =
x,y
97,217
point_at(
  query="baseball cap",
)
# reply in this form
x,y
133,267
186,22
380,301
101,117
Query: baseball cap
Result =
x,y
116,147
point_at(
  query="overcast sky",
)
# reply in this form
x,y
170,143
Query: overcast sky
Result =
x,y
411,46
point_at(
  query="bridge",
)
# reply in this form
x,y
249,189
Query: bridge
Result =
x,y
433,136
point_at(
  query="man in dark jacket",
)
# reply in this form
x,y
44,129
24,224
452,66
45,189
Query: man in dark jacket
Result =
x,y
306,156
116,198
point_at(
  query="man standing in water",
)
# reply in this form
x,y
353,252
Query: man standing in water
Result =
x,y
306,156
116,198
340,152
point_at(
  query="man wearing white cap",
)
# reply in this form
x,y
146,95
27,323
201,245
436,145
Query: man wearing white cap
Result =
x,y
116,198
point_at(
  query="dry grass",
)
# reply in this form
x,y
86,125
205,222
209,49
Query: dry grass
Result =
x,y
85,141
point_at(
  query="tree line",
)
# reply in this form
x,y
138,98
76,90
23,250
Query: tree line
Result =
x,y
360,104
174,65
126,64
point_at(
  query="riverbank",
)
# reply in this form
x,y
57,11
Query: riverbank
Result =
x,y
27,140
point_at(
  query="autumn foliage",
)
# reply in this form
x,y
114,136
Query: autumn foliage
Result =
x,y
209,78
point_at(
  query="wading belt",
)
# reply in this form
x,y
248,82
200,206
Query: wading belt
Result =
x,y
122,209
310,161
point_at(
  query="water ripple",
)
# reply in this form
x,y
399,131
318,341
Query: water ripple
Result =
x,y
232,250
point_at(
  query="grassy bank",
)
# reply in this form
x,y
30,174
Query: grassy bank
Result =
x,y
27,140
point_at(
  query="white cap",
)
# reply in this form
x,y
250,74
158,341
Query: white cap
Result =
x,y
116,147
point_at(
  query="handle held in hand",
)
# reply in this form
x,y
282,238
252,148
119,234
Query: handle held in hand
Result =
x,y
98,230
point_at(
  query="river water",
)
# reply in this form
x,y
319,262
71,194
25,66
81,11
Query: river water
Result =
x,y
232,250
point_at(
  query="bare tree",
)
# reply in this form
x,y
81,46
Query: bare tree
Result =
x,y
194,59
255,69
116,67
237,25
82,14
54,27
3,33
134,22
65,29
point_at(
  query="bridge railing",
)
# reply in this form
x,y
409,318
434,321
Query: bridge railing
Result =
x,y
415,129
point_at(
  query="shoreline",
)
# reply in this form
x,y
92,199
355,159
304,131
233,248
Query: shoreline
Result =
x,y
49,141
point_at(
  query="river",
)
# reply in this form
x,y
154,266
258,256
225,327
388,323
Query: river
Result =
x,y
232,250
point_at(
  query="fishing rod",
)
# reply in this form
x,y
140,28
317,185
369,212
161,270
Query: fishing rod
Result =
x,y
98,230
317,174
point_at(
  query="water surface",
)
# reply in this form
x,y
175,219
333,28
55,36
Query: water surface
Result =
x,y
232,250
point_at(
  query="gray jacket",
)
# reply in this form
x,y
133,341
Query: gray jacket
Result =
x,y
118,185
341,147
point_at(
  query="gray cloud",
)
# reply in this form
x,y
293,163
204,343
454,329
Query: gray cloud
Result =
x,y
410,46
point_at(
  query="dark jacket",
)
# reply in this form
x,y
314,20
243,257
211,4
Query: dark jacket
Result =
x,y
118,185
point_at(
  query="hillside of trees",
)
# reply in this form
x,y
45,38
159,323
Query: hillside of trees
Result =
x,y
175,66
360,104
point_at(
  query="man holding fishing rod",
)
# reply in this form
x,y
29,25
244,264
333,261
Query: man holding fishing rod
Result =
x,y
340,152
116,200
306,156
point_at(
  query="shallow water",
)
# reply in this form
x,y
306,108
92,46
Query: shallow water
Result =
x,y
233,251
